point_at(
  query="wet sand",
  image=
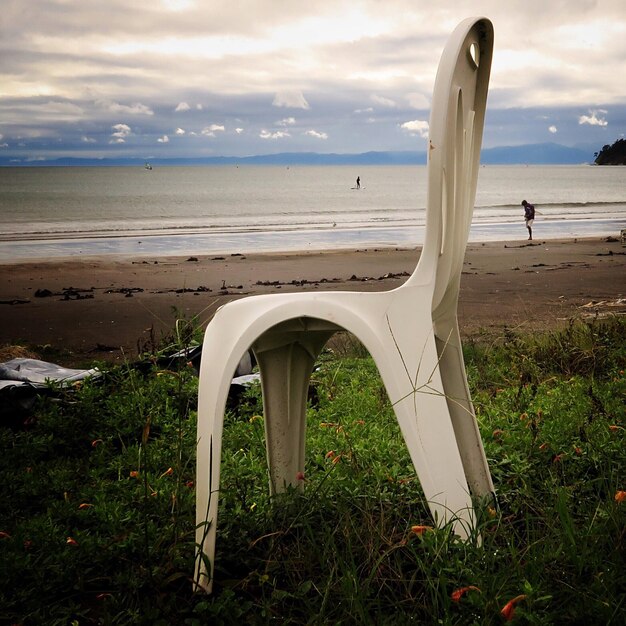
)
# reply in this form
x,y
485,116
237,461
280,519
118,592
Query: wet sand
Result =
x,y
109,307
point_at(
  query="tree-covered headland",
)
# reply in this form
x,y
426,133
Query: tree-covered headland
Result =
x,y
614,154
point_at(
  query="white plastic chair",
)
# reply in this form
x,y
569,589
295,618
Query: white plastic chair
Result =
x,y
411,332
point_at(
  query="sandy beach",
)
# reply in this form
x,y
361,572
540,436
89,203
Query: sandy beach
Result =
x,y
108,307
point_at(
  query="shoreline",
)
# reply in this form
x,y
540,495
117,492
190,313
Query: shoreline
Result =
x,y
326,239
105,307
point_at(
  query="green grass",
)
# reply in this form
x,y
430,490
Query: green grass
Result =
x,y
551,412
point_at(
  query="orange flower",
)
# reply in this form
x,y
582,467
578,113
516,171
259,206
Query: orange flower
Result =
x,y
620,496
557,458
168,472
71,541
330,454
458,594
300,476
4,535
578,451
189,484
543,446
419,530
336,459
508,611
96,442
85,505
614,428
497,433
134,474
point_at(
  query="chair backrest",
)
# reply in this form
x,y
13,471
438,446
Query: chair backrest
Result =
x,y
455,137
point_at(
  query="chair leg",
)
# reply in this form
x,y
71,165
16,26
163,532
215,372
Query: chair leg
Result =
x,y
461,410
285,373
422,411
212,392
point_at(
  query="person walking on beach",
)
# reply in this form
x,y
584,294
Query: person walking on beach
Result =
x,y
529,217
358,182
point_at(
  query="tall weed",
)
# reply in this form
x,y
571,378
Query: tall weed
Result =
x,y
110,466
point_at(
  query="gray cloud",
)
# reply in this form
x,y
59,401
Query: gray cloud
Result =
x,y
353,74
133,109
290,100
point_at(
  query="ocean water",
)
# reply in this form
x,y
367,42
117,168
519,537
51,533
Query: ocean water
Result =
x,y
59,212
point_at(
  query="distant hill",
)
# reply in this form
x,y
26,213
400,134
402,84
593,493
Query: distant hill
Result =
x,y
281,158
532,154
535,154
612,155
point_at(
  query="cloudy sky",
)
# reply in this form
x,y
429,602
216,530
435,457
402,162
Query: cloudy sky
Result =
x,y
189,78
